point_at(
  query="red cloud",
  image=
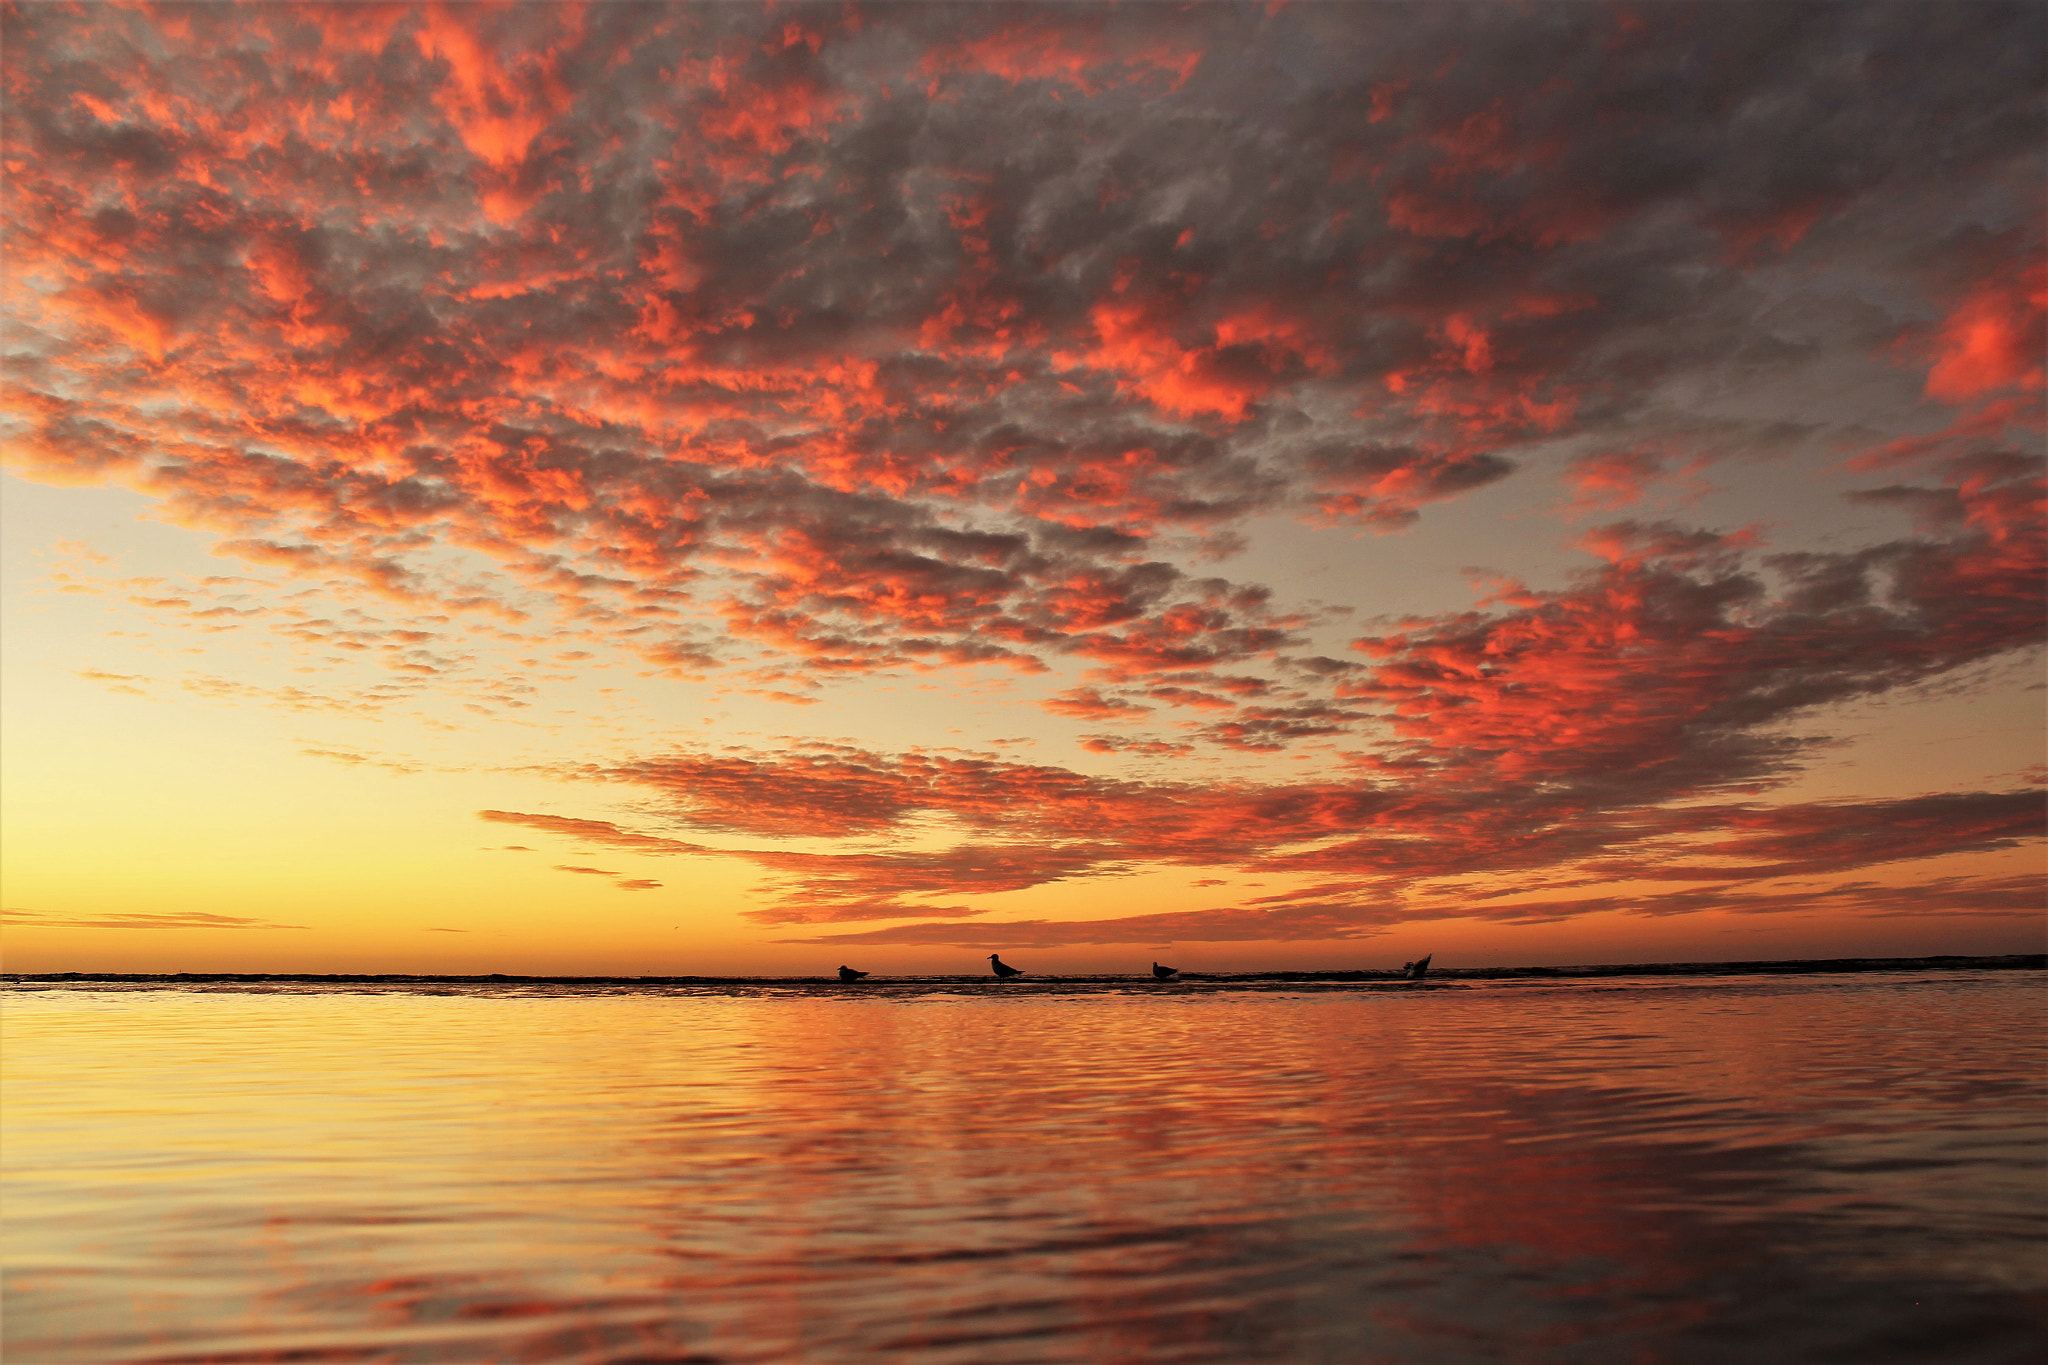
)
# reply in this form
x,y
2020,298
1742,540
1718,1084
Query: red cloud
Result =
x,y
770,99
499,107
1666,663
1613,479
1035,825
1238,360
1992,340
909,416
1384,487
1080,54
761,342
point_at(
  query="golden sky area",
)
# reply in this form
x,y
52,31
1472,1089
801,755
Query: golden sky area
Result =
x,y
714,488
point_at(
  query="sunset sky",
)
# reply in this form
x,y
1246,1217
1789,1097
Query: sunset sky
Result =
x,y
664,489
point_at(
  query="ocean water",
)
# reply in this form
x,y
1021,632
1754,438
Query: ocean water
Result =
x,y
1799,1169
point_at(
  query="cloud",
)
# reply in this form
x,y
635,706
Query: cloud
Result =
x,y
1668,669
796,351
354,759
191,919
1375,853
1960,896
841,886
1234,925
1992,339
589,832
117,682
828,888
1150,748
1607,720
1089,704
1613,479
748,350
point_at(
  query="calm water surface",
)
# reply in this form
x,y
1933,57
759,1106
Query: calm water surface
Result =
x,y
1840,1168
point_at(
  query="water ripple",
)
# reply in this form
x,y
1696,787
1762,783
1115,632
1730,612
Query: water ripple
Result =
x,y
1775,1170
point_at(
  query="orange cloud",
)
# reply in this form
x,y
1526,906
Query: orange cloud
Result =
x,y
498,106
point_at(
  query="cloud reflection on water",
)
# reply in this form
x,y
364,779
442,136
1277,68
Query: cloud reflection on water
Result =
x,y
1782,1169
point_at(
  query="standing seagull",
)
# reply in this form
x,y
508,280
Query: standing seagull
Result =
x,y
1003,970
1165,973
849,974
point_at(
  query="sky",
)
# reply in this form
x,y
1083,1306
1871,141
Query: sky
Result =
x,y
665,489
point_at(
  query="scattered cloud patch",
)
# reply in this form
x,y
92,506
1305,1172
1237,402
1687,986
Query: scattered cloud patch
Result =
x,y
756,350
33,919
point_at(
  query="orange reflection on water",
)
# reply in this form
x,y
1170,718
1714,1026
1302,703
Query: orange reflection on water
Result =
x,y
1507,1173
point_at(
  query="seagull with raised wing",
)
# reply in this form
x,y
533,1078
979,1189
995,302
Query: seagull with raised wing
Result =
x,y
1165,973
849,974
1003,970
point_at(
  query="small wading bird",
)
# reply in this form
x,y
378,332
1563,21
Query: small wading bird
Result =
x,y
849,974
1001,968
1165,973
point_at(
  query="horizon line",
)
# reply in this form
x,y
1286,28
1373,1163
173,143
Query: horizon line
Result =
x,y
1752,967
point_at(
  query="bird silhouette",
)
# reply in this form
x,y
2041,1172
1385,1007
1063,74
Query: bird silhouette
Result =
x,y
1165,973
849,974
1003,969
